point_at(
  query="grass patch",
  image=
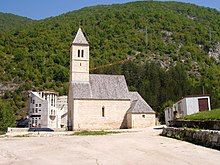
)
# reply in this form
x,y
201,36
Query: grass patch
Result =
x,y
2,133
207,115
25,135
93,133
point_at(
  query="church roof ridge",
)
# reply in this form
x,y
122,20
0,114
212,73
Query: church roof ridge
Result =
x,y
108,75
80,38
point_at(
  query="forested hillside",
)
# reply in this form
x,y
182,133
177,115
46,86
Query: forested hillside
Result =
x,y
170,50
11,22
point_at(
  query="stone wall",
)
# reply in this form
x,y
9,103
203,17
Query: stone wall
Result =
x,y
88,114
206,138
211,125
140,120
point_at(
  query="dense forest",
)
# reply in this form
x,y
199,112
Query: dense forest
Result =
x,y
166,50
11,22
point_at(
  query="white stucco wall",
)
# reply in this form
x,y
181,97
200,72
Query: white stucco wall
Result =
x,y
46,104
181,107
42,110
62,109
193,104
88,114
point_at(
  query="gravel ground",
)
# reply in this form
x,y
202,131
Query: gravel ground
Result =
x,y
140,147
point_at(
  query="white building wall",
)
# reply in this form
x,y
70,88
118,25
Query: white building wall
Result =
x,y
184,107
209,103
38,107
62,110
192,105
43,110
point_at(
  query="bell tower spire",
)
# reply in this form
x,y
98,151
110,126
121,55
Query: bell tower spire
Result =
x,y
79,61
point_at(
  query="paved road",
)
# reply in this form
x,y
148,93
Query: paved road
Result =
x,y
134,148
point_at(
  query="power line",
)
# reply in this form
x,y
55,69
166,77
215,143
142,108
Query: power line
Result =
x,y
118,62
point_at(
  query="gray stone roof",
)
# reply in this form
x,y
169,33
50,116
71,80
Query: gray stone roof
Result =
x,y
110,87
80,39
102,87
81,91
138,104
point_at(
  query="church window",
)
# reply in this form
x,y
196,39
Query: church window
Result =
x,y
82,53
80,64
103,111
78,53
143,116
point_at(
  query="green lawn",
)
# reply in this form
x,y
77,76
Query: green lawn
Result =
x,y
207,115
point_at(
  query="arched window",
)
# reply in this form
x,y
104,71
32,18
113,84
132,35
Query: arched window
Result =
x,y
78,53
103,111
82,53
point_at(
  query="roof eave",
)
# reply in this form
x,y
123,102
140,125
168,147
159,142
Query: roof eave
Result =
x,y
80,44
100,99
142,112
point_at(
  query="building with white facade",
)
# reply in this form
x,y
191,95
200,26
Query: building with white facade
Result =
x,y
47,110
187,106
97,101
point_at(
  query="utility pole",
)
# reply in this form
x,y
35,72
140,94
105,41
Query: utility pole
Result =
x,y
203,90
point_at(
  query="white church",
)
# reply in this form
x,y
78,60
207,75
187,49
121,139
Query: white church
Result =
x,y
97,101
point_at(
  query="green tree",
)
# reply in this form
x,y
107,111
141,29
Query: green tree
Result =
x,y
7,118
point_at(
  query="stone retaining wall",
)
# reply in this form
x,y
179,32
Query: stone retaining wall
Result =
x,y
211,125
208,138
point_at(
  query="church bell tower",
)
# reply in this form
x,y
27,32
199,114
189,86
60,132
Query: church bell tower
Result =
x,y
79,61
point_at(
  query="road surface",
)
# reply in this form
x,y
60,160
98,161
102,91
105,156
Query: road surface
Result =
x,y
133,148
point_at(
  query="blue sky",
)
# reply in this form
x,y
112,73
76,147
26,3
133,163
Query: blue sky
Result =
x,y
39,9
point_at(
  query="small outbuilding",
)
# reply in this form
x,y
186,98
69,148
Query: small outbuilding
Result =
x,y
140,114
187,106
